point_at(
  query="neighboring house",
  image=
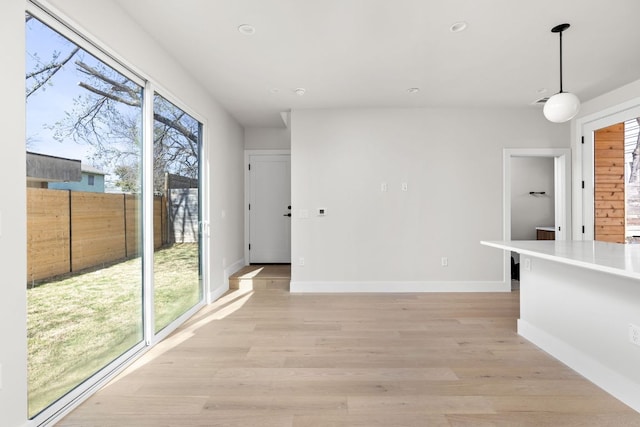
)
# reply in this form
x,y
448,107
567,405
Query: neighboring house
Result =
x,y
59,173
44,170
92,180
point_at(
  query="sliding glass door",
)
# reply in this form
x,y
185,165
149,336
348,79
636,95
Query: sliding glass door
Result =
x,y
96,222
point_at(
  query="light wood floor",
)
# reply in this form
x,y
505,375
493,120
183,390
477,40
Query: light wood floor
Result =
x,y
259,277
270,358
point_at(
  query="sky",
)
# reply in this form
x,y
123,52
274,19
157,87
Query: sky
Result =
x,y
47,106
51,103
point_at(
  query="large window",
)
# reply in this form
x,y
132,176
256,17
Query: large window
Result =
x,y
88,210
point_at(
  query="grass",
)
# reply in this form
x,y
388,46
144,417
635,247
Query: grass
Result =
x,y
176,282
76,325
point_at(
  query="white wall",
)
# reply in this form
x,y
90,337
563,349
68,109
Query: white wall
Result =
x,y
225,162
267,138
615,97
13,231
451,161
529,211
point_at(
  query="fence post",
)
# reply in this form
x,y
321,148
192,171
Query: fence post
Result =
x,y
70,236
126,247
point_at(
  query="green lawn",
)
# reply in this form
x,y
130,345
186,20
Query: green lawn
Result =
x,y
78,324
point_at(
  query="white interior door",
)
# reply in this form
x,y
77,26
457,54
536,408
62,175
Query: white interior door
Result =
x,y
270,209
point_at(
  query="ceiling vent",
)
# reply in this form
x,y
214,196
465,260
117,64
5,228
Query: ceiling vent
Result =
x,y
540,101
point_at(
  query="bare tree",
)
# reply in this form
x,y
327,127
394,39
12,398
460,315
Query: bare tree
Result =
x,y
107,117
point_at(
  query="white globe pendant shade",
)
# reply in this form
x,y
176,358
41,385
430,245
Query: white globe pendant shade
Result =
x,y
561,107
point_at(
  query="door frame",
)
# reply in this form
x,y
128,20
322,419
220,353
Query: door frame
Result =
x,y
584,162
247,193
562,190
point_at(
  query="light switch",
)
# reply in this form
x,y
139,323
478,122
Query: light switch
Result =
x,y
405,186
384,187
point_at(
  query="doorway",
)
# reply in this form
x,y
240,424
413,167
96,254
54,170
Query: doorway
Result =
x,y
616,183
610,198
558,197
268,215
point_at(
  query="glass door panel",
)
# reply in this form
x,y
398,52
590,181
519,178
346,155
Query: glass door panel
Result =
x,y
632,180
176,174
84,277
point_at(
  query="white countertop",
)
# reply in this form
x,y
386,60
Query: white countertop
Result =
x,y
552,228
613,258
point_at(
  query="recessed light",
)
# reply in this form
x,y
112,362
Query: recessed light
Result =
x,y
413,90
300,91
458,27
274,90
542,90
246,29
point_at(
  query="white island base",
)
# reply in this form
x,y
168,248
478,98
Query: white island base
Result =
x,y
578,302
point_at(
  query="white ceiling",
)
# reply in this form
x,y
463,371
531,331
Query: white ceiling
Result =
x,y
367,53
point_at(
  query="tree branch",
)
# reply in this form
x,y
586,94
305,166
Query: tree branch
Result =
x,y
175,124
109,95
116,85
54,67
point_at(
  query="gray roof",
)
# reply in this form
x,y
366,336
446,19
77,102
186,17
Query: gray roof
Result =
x,y
92,170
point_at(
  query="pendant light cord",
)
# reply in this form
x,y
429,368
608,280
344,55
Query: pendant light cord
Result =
x,y
560,61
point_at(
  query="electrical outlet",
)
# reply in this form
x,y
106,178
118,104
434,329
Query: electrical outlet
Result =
x,y
384,187
405,186
301,261
444,261
634,334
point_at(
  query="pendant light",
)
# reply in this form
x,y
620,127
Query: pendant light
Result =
x,y
563,106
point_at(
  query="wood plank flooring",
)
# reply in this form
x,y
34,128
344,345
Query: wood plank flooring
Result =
x,y
274,359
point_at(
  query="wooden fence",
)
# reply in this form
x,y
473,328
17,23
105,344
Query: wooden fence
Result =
x,y
70,230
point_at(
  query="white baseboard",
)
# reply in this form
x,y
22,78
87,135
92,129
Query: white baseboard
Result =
x,y
618,386
218,292
397,287
228,272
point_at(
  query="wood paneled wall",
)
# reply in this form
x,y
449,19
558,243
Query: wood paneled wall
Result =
x,y
609,209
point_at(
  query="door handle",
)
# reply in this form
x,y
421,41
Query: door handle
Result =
x,y
287,214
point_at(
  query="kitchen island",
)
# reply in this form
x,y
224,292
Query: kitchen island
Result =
x,y
580,302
